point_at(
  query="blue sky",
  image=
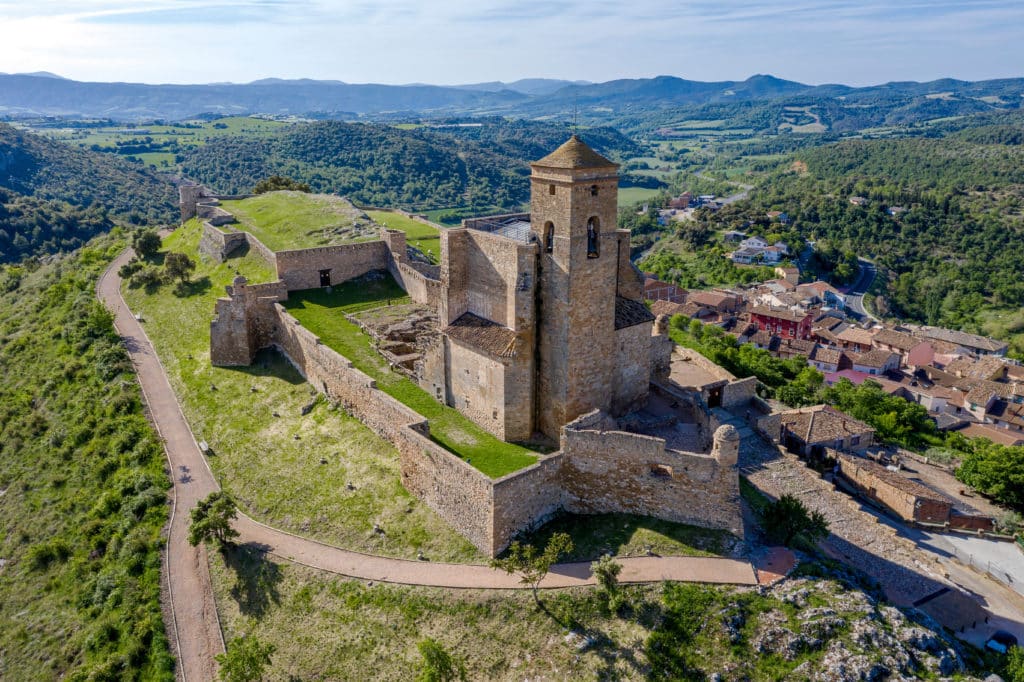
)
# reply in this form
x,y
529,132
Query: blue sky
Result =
x,y
464,41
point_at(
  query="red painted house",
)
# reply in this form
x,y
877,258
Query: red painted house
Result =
x,y
781,322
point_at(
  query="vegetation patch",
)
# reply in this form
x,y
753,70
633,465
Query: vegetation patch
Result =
x,y
83,488
323,313
424,237
323,474
291,219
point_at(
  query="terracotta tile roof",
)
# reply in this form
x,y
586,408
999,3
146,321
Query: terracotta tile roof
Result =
x,y
876,358
822,424
823,354
797,346
778,314
855,335
574,154
993,433
980,395
983,368
962,339
629,313
666,308
1008,412
895,339
890,478
710,299
483,334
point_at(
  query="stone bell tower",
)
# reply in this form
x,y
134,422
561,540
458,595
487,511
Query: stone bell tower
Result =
x,y
573,212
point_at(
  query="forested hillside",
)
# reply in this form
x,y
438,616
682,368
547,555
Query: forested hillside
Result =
x,y
944,218
483,163
54,197
82,486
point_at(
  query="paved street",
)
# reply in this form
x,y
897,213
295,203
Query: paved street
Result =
x,y
855,296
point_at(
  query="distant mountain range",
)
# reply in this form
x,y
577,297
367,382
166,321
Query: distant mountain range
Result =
x,y
45,94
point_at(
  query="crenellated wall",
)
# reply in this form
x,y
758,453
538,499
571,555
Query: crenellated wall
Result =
x,y
300,269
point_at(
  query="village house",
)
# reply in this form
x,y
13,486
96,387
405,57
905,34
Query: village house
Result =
x,y
788,273
853,338
782,322
656,290
716,301
827,360
809,430
969,343
876,362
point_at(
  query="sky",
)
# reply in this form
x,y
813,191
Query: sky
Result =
x,y
856,42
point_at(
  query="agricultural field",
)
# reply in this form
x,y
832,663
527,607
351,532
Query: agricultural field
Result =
x,y
636,195
156,145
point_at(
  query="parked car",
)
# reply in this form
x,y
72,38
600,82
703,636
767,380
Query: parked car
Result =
x,y
1001,641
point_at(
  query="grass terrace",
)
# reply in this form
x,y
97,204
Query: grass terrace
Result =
x,y
296,220
324,314
291,470
424,237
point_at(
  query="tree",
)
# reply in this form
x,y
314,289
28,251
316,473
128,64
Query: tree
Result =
x,y
531,564
245,659
606,570
146,243
787,518
995,470
178,266
1014,664
211,520
276,183
438,665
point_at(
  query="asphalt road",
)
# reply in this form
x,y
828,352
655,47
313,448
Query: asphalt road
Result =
x,y
855,296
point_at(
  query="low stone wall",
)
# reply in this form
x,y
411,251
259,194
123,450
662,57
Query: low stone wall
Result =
x,y
739,393
300,268
266,254
526,499
219,245
460,494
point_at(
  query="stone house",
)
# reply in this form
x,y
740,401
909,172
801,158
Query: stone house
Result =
x,y
877,362
716,301
808,431
906,345
826,359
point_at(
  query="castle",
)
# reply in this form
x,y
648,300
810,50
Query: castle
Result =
x,y
541,332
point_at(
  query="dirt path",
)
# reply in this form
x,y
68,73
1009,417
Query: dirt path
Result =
x,y
195,624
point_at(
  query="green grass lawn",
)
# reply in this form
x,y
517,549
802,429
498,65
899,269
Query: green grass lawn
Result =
x,y
635,195
296,220
627,534
424,237
272,465
324,314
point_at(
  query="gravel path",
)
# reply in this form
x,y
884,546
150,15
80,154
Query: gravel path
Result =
x,y
194,623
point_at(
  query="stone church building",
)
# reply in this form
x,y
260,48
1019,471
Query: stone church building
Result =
x,y
542,313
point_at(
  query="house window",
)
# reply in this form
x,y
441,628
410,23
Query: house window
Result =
x,y
593,237
551,190
593,190
549,236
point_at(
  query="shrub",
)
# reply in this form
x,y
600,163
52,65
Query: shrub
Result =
x,y
42,555
438,665
787,518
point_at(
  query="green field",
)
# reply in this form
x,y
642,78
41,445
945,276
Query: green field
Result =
x,y
424,237
290,471
296,220
323,314
635,195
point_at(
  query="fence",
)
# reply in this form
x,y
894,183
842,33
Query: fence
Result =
x,y
989,568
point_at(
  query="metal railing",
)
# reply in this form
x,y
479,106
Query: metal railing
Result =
x,y
989,568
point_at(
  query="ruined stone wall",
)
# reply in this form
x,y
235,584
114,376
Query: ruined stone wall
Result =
x,y
632,377
219,245
695,407
615,471
459,493
188,196
238,328
300,268
421,288
907,505
739,393
266,254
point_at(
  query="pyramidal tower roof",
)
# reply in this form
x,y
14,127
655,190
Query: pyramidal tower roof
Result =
x,y
574,154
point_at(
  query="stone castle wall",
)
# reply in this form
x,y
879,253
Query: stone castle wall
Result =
x,y
220,245
300,268
459,493
422,282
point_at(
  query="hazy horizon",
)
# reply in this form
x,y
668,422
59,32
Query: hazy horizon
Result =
x,y
447,42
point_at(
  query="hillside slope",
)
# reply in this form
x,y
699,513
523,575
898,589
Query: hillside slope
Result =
x,y
82,486
54,197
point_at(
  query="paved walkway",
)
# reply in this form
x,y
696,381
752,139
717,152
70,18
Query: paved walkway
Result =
x,y
194,616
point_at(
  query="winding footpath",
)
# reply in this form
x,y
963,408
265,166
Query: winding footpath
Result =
x,y
193,614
